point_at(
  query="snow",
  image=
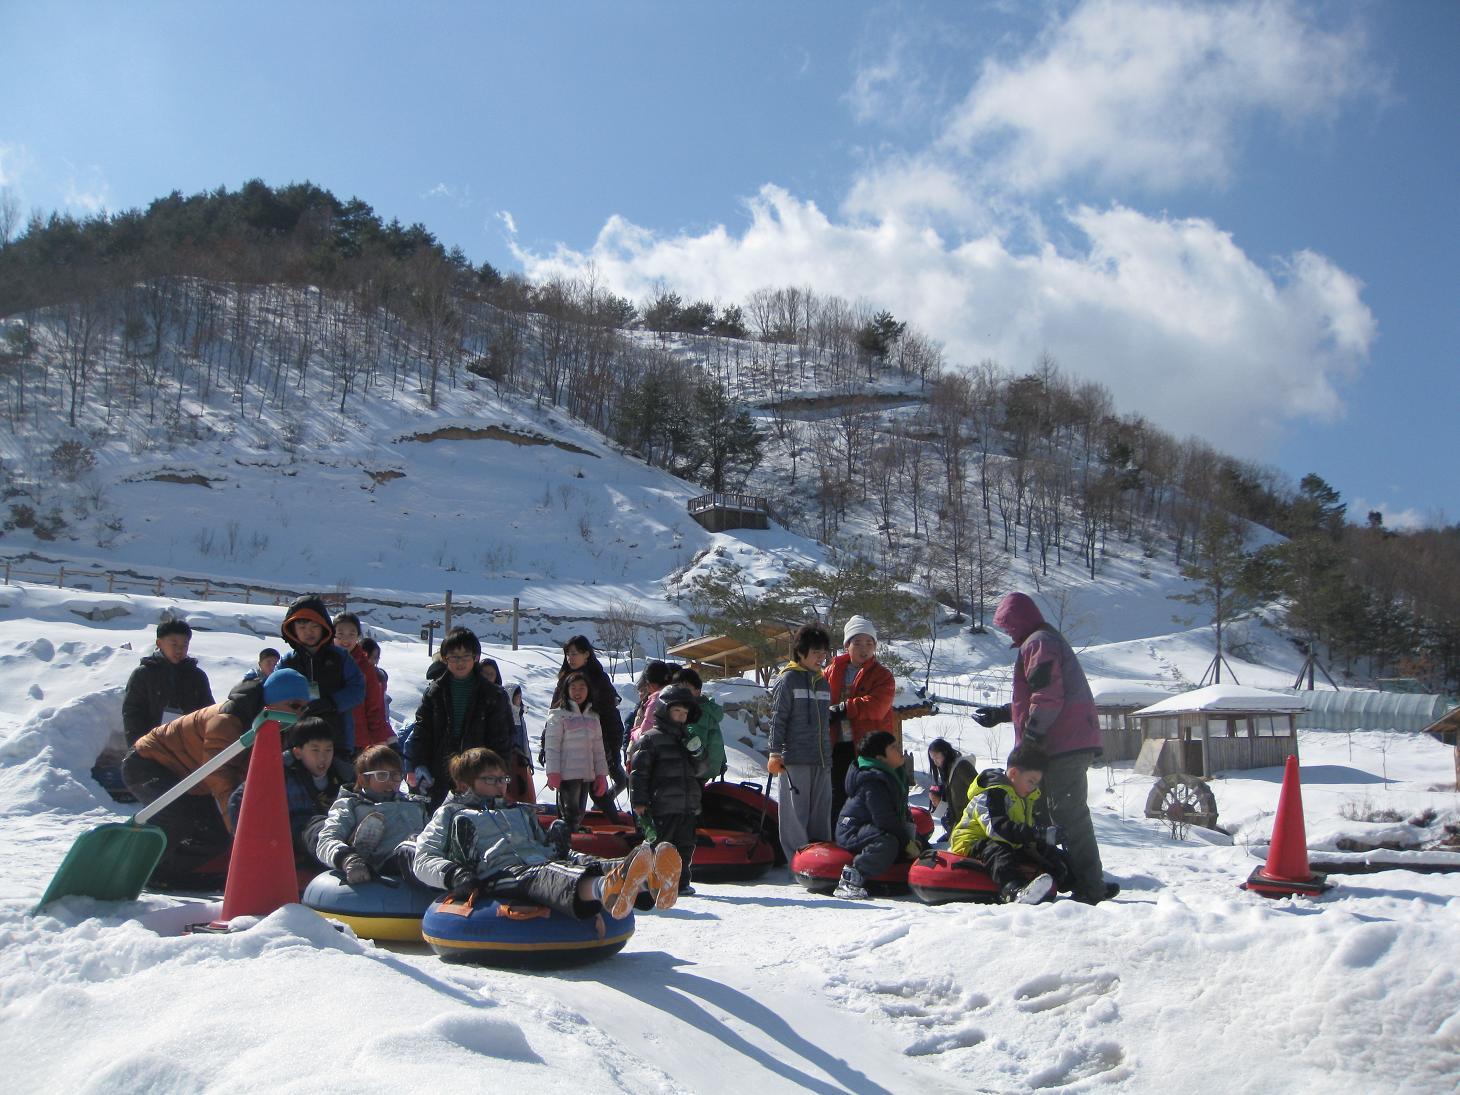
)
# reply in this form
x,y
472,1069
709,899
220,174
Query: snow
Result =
x,y
1183,981
1223,697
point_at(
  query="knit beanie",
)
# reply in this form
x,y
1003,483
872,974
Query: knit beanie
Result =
x,y
858,625
284,685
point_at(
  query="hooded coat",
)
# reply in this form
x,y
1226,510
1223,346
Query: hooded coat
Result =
x,y
1052,704
800,720
876,804
573,741
328,666
667,770
604,698
869,700
502,837
487,723
157,686
369,720
405,816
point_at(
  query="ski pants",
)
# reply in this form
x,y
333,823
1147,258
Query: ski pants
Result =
x,y
877,855
193,826
1067,791
805,812
843,756
553,884
1008,864
679,830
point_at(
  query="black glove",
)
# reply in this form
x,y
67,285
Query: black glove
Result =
x,y
838,711
560,837
1054,835
461,882
357,871
991,716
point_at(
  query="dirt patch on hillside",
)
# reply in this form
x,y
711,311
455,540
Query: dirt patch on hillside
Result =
x,y
174,477
379,477
495,433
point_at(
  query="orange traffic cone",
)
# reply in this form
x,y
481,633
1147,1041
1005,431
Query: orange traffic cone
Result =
x,y
1286,872
261,874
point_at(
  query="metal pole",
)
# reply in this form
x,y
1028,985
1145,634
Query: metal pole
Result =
x,y
446,615
516,613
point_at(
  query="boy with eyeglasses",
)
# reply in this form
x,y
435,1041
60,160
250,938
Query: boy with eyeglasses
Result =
x,y
459,711
371,828
480,843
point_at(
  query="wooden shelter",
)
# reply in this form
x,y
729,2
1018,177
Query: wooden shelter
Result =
x,y
1120,734
1218,728
714,656
1446,729
720,512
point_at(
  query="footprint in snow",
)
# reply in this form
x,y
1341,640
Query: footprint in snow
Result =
x,y
943,1041
1105,1059
35,693
1055,990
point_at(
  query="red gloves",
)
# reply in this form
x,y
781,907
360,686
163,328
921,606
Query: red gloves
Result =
x,y
600,787
555,780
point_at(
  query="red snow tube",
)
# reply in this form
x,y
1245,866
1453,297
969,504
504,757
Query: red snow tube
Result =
x,y
721,855
818,867
939,877
745,808
922,821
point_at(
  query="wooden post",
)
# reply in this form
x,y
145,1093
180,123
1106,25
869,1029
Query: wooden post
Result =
x,y
248,595
446,614
61,578
159,587
7,571
516,615
207,588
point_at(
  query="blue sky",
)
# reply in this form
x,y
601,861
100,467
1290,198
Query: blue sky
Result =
x,y
1241,218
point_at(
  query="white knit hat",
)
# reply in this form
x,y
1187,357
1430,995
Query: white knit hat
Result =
x,y
858,625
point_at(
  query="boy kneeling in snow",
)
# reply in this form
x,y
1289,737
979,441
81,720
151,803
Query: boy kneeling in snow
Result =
x,y
371,828
478,842
874,821
1007,825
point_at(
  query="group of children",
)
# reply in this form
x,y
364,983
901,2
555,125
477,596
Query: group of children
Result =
x,y
455,806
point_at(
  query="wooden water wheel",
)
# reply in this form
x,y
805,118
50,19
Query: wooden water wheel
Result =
x,y
1183,799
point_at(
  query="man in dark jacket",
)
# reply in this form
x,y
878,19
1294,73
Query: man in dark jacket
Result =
x,y
459,711
874,821
336,684
1054,710
666,775
167,685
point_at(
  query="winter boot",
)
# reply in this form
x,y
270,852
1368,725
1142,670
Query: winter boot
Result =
x,y
624,879
852,887
1031,894
664,876
367,835
561,838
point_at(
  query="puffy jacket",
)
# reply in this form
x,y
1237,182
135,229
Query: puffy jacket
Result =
x,y
574,742
503,837
369,720
869,702
184,745
157,686
707,729
329,666
304,799
605,699
951,781
996,812
405,817
666,772
487,723
1052,705
799,718
876,804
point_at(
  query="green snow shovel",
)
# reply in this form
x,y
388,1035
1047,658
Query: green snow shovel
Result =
x,y
114,861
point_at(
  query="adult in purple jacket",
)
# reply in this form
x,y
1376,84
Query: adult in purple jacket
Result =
x,y
1053,709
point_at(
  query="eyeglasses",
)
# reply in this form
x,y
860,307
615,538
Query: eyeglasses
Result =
x,y
501,780
460,659
382,775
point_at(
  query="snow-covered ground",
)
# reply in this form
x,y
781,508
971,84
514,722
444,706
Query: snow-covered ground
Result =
x,y
1184,981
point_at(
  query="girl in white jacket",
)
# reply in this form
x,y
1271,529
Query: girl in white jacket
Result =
x,y
573,742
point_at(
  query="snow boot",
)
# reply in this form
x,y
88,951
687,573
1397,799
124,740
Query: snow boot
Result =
x,y
623,880
1031,894
664,876
366,837
852,887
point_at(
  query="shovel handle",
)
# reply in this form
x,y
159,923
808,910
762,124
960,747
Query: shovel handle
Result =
x,y
193,778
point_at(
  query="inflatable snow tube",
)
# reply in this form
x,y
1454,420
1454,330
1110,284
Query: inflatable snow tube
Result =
x,y
489,933
939,877
922,822
818,867
374,910
745,808
724,855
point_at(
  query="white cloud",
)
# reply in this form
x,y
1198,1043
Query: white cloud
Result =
x,y
1170,314
508,221
15,161
1395,519
90,193
1152,92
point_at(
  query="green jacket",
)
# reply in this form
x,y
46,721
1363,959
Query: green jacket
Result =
x,y
707,729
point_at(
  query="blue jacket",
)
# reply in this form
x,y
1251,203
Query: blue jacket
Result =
x,y
305,800
876,804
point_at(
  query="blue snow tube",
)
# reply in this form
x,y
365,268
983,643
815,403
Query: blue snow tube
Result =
x,y
384,911
490,933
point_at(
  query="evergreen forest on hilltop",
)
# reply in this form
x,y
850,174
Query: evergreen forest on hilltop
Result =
x,y
927,472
